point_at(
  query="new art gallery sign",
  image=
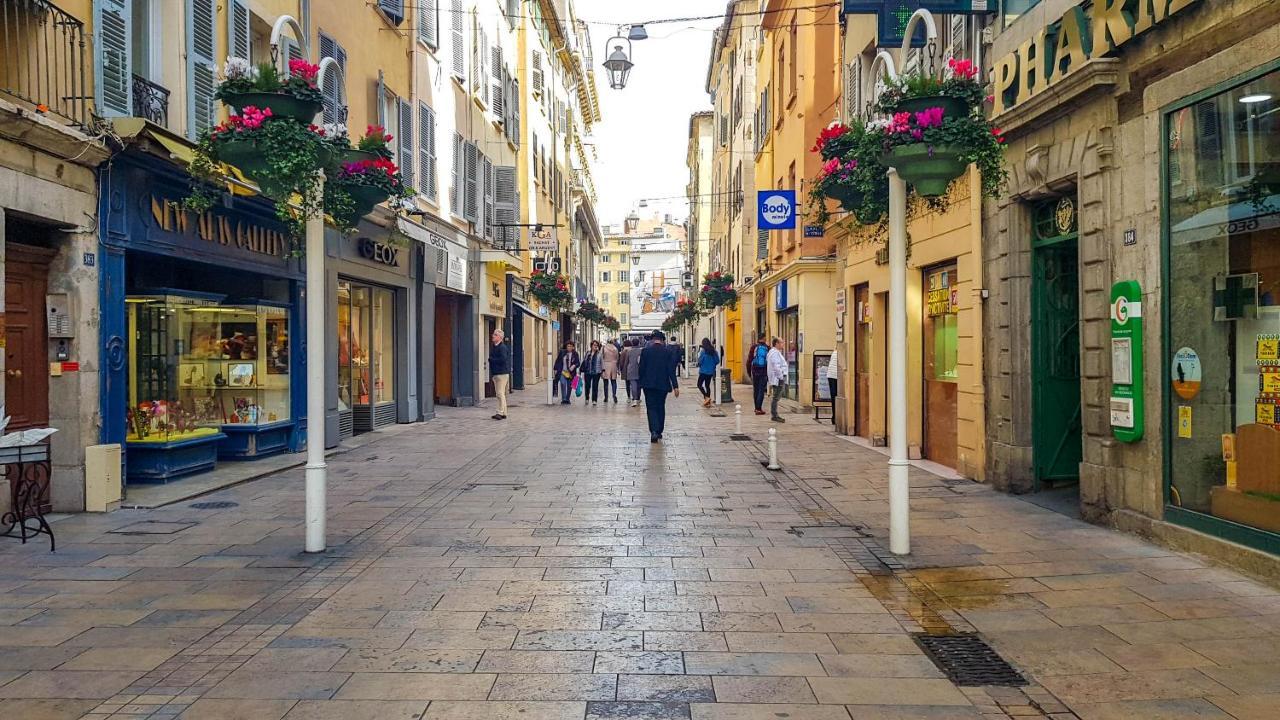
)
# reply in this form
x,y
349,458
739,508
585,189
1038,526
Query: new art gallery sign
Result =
x,y
1062,47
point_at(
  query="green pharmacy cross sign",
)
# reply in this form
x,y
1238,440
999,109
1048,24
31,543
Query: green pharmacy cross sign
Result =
x,y
893,15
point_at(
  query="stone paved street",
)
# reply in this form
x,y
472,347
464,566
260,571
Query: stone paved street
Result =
x,y
558,565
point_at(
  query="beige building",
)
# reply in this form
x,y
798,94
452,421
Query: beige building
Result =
x,y
700,193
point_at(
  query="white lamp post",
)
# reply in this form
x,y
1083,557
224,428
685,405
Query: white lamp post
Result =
x,y
316,469
899,483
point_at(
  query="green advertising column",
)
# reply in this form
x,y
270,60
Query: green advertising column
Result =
x,y
1127,417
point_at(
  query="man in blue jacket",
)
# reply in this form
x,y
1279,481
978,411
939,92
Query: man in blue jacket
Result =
x,y
657,378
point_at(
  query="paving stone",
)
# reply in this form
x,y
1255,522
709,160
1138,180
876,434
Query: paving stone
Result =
x,y
886,691
755,689
415,686
447,710
554,687
233,709
729,711
409,660
666,688
69,684
655,663
637,711
279,684
536,661
357,710
756,663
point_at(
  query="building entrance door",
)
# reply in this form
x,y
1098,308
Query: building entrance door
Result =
x,y
1056,430
941,365
26,347
862,361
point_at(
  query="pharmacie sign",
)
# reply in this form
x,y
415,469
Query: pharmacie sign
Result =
x,y
1061,48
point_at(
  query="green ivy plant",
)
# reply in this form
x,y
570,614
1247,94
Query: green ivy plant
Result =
x,y
852,169
239,78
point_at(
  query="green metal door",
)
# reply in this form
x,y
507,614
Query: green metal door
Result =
x,y
1055,345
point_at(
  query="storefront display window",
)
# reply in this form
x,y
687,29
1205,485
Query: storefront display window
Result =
x,y
789,324
940,325
366,358
198,365
1222,179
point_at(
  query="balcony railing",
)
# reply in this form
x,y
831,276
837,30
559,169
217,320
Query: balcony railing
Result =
x,y
43,59
150,101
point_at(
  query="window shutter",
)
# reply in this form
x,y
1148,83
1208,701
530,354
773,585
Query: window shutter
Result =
x,y
488,199
114,74
238,30
201,75
536,74
958,46
514,101
331,91
427,151
762,244
471,198
853,87
456,191
458,39
381,99
405,143
499,79
429,23
513,12
506,207
393,9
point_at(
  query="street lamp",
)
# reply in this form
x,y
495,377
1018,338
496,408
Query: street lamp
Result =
x,y
899,483
316,469
619,62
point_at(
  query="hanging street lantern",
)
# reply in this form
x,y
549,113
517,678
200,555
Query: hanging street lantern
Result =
x,y
619,62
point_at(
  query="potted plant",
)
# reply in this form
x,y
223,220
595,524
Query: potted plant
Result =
x,y
592,312
717,291
551,290
852,173
956,91
932,146
611,323
296,97
375,144
686,312
357,187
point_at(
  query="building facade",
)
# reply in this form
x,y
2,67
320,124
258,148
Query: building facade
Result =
x,y
698,228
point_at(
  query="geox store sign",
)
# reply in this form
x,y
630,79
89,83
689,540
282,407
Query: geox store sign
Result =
x,y
1061,48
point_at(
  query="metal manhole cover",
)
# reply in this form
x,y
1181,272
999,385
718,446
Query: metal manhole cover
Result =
x,y
214,505
969,661
152,527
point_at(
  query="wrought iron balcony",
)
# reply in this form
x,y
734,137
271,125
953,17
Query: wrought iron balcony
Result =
x,y
44,59
150,101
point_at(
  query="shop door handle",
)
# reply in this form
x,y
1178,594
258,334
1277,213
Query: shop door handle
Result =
x,y
15,373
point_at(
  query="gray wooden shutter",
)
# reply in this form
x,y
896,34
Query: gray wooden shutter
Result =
x,y
429,23
506,208
114,69
762,244
238,30
331,91
536,75
427,151
201,72
853,88
405,143
513,12
381,99
471,171
456,191
487,174
458,40
393,9
514,101
498,94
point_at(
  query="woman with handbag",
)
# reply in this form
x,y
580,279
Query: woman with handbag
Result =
x,y
567,364
609,365
593,368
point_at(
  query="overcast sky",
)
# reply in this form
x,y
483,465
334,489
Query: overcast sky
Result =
x,y
643,137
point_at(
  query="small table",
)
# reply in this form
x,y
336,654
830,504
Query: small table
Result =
x,y
28,470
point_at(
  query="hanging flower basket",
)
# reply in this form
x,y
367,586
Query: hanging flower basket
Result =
x,y
293,97
358,187
686,312
929,168
592,312
717,291
951,106
852,174
611,323
551,290
955,90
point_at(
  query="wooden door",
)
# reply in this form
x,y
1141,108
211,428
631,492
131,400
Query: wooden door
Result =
x,y
26,349
862,361
444,349
941,365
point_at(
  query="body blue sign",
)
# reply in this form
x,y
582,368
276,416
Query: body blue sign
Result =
x,y
777,209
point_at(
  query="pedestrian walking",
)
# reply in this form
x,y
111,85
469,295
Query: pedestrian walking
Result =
x,y
500,371
593,368
758,362
657,379
708,360
678,349
609,363
566,368
833,375
631,370
778,373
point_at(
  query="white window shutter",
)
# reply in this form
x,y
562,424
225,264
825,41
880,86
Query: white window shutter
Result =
x,y
238,30
114,68
514,101
201,72
456,191
487,175
429,23
426,151
536,74
498,80
471,171
458,40
405,143
505,206
853,87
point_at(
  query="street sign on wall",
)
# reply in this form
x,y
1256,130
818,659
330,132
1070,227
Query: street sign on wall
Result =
x,y
777,209
543,239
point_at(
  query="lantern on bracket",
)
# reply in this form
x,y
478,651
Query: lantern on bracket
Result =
x,y
619,62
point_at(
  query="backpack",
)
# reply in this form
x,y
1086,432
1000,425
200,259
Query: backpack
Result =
x,y
761,358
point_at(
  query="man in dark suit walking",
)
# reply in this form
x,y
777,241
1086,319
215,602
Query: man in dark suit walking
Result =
x,y
657,378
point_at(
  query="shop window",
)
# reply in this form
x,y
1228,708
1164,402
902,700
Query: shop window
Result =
x,y
366,351
940,326
198,365
1222,183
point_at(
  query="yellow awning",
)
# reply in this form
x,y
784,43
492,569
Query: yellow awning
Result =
x,y
180,150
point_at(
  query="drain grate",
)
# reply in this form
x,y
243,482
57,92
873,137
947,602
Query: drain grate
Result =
x,y
739,437
969,661
214,505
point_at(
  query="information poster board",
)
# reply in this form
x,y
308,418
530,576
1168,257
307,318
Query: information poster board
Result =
x,y
821,388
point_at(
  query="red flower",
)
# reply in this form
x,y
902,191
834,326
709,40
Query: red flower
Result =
x,y
831,132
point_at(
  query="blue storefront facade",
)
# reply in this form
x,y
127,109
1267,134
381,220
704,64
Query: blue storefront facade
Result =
x,y
200,328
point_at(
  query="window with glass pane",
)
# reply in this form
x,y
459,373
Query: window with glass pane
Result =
x,y
361,379
1011,10
1222,183
384,371
344,346
940,326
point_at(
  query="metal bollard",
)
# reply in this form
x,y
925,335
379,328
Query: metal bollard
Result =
x,y
773,450
737,418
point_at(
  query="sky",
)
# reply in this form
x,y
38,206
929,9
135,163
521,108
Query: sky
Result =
x,y
643,136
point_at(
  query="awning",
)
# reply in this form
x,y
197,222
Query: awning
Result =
x,y
523,308
1230,218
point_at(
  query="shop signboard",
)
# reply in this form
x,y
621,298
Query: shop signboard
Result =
x,y
543,239
777,209
1127,416
456,277
840,313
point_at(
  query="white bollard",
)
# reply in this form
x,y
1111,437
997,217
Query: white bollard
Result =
x,y
737,418
773,450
